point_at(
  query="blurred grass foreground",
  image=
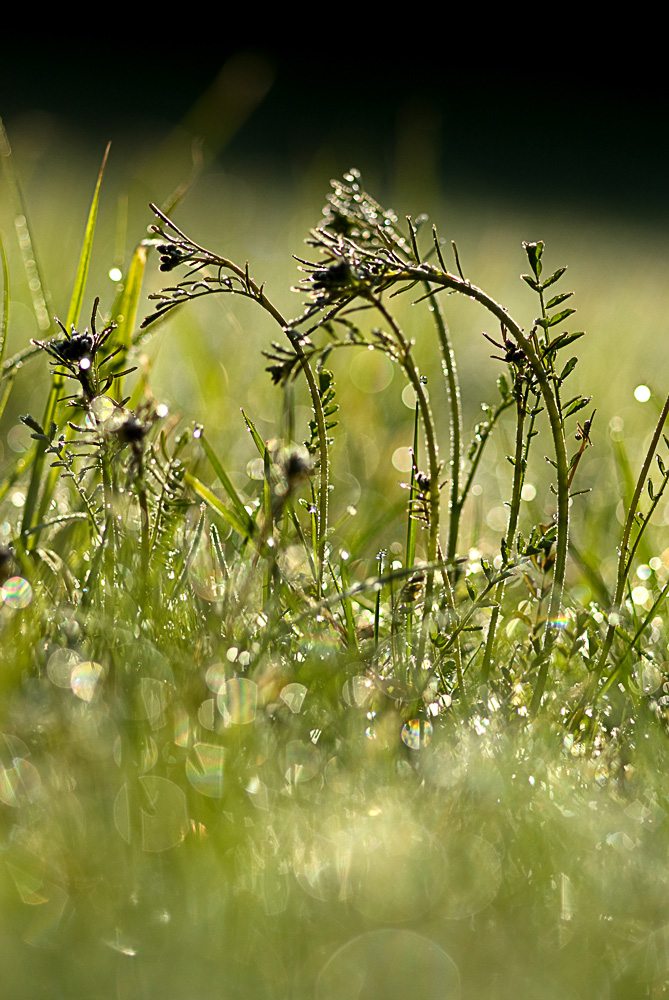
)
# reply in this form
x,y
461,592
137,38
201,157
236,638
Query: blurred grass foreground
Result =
x,y
255,739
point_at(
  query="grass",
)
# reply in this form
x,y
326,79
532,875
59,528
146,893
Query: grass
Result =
x,y
258,742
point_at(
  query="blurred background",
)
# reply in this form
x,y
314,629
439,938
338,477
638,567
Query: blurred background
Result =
x,y
494,158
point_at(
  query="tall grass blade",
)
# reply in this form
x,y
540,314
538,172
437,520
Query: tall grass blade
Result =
x,y
227,485
244,528
77,299
4,317
32,513
36,283
124,309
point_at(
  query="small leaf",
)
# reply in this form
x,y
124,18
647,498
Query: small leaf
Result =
x,y
504,549
661,465
559,317
534,285
30,421
567,370
557,299
534,252
555,276
471,589
651,491
561,341
577,405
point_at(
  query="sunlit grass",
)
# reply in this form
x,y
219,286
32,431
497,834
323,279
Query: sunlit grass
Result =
x,y
214,782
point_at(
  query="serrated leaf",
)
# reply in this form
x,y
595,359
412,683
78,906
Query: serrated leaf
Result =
x,y
559,317
557,299
555,276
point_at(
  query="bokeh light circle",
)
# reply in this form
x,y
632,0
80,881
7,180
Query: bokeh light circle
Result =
x,y
389,965
16,593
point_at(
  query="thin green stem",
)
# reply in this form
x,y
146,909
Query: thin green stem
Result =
x,y
432,450
519,465
624,563
257,292
449,281
450,371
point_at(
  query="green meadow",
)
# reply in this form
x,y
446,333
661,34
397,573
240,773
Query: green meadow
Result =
x,y
334,563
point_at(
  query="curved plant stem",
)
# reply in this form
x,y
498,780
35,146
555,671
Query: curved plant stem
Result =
x,y
432,449
450,371
257,293
449,281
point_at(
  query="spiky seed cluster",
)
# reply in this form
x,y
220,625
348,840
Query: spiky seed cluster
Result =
x,y
77,352
170,256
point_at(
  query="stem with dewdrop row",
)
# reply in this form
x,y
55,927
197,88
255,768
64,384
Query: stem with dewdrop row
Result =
x,y
444,280
406,360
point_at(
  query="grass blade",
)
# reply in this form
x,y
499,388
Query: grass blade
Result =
x,y
31,512
124,310
243,528
36,284
227,485
86,249
4,319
